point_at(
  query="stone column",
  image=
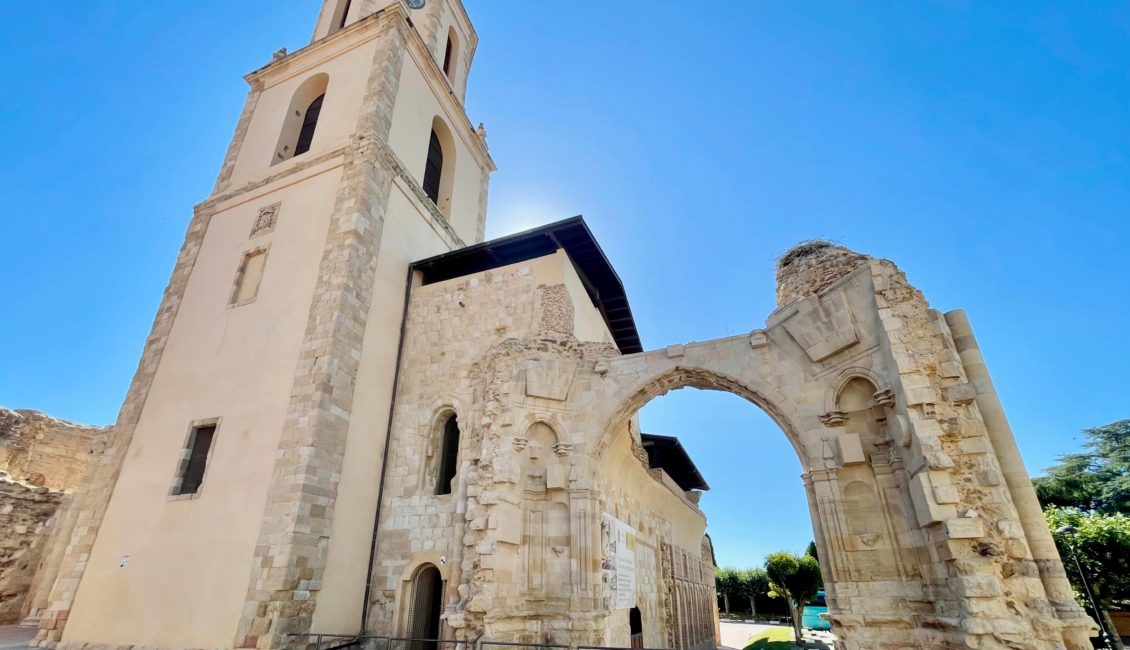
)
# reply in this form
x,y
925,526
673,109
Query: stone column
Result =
x,y
1019,483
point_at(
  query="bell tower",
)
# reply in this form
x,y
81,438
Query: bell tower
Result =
x,y
235,501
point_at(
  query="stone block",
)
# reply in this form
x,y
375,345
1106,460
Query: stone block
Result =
x,y
959,393
823,326
550,378
979,445
506,521
851,450
965,528
926,507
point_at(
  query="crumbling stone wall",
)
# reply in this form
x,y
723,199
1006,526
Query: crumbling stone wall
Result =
x,y
26,513
42,459
44,451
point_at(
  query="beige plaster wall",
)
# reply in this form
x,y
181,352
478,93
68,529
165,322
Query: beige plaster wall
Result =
x,y
346,62
405,238
236,364
421,98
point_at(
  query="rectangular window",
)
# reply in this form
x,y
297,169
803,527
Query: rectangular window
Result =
x,y
199,445
249,276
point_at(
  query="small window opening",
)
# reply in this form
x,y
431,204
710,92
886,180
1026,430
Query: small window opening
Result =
x,y
449,456
249,277
447,58
309,123
197,459
433,170
344,14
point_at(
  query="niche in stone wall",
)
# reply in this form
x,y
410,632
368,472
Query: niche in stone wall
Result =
x,y
546,533
864,513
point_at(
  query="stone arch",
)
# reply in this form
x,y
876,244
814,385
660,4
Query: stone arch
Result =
x,y
770,400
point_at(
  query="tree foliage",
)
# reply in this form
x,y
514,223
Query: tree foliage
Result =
x,y
1097,479
796,579
740,585
1102,543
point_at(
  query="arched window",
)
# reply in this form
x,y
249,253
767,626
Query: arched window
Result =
x,y
449,456
433,169
309,123
427,606
297,133
439,167
447,58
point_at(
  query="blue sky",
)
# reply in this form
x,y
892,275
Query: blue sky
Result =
x,y
983,147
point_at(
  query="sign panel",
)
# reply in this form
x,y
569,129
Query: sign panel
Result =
x,y
618,561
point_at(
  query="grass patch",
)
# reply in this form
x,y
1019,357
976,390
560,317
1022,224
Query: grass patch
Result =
x,y
779,638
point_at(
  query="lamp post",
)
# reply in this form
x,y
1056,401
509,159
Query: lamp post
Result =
x,y
1070,532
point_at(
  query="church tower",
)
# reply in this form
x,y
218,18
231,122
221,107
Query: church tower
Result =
x,y
235,502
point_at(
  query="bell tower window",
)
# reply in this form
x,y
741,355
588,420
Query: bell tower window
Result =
x,y
301,120
433,169
439,167
447,59
309,123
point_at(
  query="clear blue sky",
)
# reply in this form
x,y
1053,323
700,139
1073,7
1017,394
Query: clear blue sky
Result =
x,y
982,146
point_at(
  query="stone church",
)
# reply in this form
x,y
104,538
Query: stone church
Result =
x,y
353,416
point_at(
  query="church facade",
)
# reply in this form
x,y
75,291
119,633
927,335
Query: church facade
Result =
x,y
355,416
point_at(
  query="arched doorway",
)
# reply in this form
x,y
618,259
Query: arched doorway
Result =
x,y
635,627
426,608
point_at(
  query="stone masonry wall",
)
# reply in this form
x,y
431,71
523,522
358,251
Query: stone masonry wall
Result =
x,y
41,459
26,513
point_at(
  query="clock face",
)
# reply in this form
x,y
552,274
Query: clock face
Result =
x,y
415,4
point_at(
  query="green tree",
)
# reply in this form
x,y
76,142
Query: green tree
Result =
x,y
751,584
1097,479
1102,544
796,579
726,583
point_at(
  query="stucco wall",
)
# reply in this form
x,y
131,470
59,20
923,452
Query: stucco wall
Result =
x,y
232,363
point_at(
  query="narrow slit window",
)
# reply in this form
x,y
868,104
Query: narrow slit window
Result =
x,y
449,457
447,58
344,15
197,459
249,277
433,170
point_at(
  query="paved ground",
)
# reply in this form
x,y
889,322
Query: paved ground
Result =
x,y
15,636
737,635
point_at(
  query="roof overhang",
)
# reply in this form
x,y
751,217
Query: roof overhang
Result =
x,y
571,235
667,453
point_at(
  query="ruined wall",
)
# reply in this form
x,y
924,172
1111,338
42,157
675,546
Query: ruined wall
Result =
x,y
44,451
26,513
41,460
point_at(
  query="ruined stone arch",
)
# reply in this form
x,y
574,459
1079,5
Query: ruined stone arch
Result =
x,y
766,397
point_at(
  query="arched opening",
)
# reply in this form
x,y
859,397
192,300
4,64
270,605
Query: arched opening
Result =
x,y
299,126
450,54
439,166
342,13
745,479
635,627
448,456
426,608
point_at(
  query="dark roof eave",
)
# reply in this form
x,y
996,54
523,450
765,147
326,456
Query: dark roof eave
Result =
x,y
573,236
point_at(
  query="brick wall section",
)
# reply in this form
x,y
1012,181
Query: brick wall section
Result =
x,y
291,553
93,498
25,515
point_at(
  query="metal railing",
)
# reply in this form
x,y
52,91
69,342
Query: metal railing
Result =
x,y
348,641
